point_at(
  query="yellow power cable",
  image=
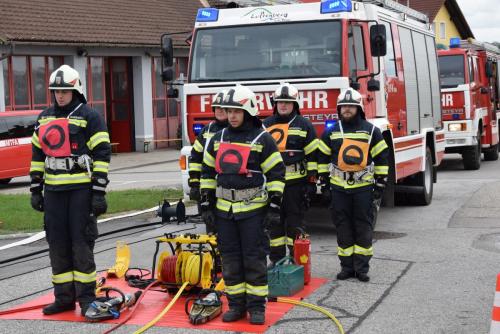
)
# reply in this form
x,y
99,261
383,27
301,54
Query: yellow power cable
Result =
x,y
313,307
162,313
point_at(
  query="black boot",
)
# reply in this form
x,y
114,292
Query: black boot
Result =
x,y
233,315
83,308
257,317
56,307
363,277
344,274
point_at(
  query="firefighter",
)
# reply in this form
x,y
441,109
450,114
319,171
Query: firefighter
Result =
x,y
241,189
200,145
352,161
296,139
70,157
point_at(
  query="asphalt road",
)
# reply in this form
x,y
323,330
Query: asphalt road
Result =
x,y
434,269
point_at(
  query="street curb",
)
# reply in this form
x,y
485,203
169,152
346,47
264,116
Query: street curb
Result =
x,y
16,235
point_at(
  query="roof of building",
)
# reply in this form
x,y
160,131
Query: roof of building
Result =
x,y
432,7
136,23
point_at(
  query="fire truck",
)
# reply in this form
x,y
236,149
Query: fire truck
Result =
x,y
470,102
379,47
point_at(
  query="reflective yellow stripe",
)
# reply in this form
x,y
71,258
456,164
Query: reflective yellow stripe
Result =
x,y
257,148
262,290
208,135
235,289
323,168
35,141
325,149
312,146
46,120
216,146
194,180
363,251
197,146
275,186
345,251
296,132
382,170
294,175
277,242
60,179
84,278
78,122
101,166
208,160
37,166
208,184
271,161
312,165
368,180
289,241
62,278
338,135
381,145
195,167
97,138
240,207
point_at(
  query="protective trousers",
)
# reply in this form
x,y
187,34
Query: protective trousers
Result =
x,y
242,245
352,215
71,232
292,217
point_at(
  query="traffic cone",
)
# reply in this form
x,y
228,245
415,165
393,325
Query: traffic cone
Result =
x,y
495,314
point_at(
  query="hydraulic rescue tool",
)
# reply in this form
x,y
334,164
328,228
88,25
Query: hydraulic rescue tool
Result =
x,y
122,260
108,307
205,308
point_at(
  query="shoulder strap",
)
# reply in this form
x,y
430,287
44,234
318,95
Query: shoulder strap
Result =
x,y
222,135
293,119
77,107
371,135
257,138
341,129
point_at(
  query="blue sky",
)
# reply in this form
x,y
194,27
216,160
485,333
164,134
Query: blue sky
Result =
x,y
483,17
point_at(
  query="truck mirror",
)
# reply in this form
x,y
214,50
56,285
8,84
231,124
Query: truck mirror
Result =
x,y
373,85
378,41
172,92
167,74
489,69
167,51
484,90
355,85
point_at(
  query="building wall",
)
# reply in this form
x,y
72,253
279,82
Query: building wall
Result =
x,y
443,17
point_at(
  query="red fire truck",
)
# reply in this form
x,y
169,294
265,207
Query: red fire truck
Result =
x,y
380,47
16,129
470,102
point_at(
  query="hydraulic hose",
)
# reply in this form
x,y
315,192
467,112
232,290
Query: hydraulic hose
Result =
x,y
313,307
165,310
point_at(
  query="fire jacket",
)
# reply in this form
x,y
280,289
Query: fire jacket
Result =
x,y
265,169
87,136
299,144
359,130
200,143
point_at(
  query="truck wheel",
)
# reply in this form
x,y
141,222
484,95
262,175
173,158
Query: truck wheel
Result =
x,y
5,181
425,181
491,154
471,156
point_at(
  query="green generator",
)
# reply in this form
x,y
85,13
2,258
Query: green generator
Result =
x,y
285,278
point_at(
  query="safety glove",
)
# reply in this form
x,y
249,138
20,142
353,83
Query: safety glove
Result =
x,y
36,189
273,216
207,207
379,187
98,203
194,192
326,193
309,191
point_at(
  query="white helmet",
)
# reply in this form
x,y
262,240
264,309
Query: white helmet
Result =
x,y
286,93
66,78
241,97
350,97
218,99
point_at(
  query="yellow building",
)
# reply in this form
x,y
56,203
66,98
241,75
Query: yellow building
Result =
x,y
446,17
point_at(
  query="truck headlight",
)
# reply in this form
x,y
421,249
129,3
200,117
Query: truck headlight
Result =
x,y
454,127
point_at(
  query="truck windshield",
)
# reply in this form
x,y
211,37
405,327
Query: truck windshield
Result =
x,y
291,50
451,71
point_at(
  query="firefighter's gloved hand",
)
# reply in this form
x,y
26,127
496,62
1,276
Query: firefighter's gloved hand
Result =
x,y
207,207
194,192
99,205
273,215
378,189
37,201
309,193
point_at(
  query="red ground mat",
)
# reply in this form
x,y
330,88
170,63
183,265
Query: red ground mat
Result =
x,y
154,302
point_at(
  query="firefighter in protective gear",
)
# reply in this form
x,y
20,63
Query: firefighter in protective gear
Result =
x,y
242,184
297,143
200,145
70,158
352,160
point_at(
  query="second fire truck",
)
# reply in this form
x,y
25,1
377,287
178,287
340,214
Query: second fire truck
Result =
x,y
470,93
